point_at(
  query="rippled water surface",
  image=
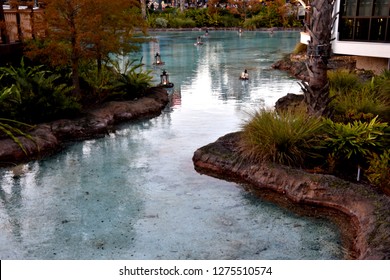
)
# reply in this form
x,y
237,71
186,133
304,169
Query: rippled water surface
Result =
x,y
135,195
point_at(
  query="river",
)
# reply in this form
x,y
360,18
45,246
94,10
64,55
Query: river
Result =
x,y
134,194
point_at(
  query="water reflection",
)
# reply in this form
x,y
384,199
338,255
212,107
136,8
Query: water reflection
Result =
x,y
11,198
135,195
212,70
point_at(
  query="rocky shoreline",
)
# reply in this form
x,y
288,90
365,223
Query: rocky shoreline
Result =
x,y
50,138
295,64
362,213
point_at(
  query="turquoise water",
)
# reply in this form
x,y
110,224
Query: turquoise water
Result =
x,y
135,195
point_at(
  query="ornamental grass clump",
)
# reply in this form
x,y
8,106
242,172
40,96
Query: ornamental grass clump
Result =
x,y
378,172
363,104
382,84
342,81
353,99
286,138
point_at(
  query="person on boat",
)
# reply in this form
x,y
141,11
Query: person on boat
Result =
x,y
207,32
199,40
244,75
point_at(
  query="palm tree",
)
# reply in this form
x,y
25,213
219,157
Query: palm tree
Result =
x,y
320,25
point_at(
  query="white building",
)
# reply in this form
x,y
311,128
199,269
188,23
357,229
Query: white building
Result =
x,y
362,29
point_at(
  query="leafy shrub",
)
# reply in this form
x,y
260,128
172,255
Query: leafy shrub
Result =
x,y
292,21
384,90
382,85
256,22
96,85
255,16
36,94
350,145
179,22
229,21
287,138
215,20
199,16
342,82
161,22
358,104
131,82
378,172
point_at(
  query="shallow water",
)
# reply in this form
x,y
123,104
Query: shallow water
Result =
x,y
135,195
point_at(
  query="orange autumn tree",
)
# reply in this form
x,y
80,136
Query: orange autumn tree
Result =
x,y
118,29
244,7
79,30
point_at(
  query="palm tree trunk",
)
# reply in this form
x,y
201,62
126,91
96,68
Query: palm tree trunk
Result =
x,y
316,91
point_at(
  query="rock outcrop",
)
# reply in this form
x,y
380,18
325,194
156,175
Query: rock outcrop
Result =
x,y
49,138
362,213
295,65
289,102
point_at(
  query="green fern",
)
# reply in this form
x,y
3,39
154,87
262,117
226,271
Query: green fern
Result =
x,y
33,94
12,131
132,81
